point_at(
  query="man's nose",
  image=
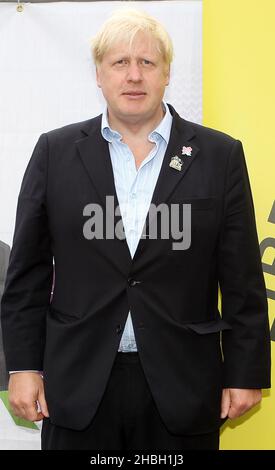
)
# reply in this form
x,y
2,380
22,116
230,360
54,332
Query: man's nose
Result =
x,y
134,72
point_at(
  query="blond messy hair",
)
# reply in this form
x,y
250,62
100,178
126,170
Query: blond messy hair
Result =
x,y
123,25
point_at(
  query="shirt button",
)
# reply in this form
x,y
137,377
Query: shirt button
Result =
x,y
133,195
133,282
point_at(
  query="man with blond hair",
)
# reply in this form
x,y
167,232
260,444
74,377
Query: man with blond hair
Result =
x,y
130,352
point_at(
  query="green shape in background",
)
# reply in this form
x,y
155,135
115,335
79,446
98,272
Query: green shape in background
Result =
x,y
18,421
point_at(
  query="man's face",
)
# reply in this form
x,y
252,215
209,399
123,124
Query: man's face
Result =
x,y
133,81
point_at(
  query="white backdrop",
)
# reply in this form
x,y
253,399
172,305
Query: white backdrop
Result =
x,y
47,80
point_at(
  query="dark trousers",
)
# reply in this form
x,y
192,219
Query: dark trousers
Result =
x,y
126,419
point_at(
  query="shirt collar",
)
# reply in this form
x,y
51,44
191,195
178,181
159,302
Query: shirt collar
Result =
x,y
162,130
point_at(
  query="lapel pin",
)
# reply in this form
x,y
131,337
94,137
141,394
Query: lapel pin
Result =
x,y
176,163
186,151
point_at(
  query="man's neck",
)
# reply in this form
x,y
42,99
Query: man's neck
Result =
x,y
137,128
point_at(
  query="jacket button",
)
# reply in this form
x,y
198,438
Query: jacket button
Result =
x,y
133,282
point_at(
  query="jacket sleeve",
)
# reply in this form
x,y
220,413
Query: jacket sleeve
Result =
x,y
30,273
246,347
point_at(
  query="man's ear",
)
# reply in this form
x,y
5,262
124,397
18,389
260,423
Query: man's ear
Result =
x,y
97,77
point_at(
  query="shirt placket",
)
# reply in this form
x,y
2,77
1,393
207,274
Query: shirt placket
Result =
x,y
128,342
134,215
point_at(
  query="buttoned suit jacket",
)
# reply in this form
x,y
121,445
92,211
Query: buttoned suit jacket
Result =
x,y
189,348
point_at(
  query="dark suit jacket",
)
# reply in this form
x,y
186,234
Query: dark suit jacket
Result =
x,y
177,324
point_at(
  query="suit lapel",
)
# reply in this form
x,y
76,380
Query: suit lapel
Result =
x,y
95,156
182,133
94,153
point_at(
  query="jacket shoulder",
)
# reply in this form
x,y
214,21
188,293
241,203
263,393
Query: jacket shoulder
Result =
x,y
74,130
202,132
213,135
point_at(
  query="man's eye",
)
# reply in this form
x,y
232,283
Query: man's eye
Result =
x,y
121,61
146,62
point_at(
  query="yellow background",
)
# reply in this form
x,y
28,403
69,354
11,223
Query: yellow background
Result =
x,y
239,99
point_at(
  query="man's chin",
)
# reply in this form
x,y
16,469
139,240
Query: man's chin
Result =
x,y
133,113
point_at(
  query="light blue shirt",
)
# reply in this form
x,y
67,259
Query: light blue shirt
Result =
x,y
135,189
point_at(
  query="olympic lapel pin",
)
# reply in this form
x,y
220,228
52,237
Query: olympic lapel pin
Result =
x,y
186,151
